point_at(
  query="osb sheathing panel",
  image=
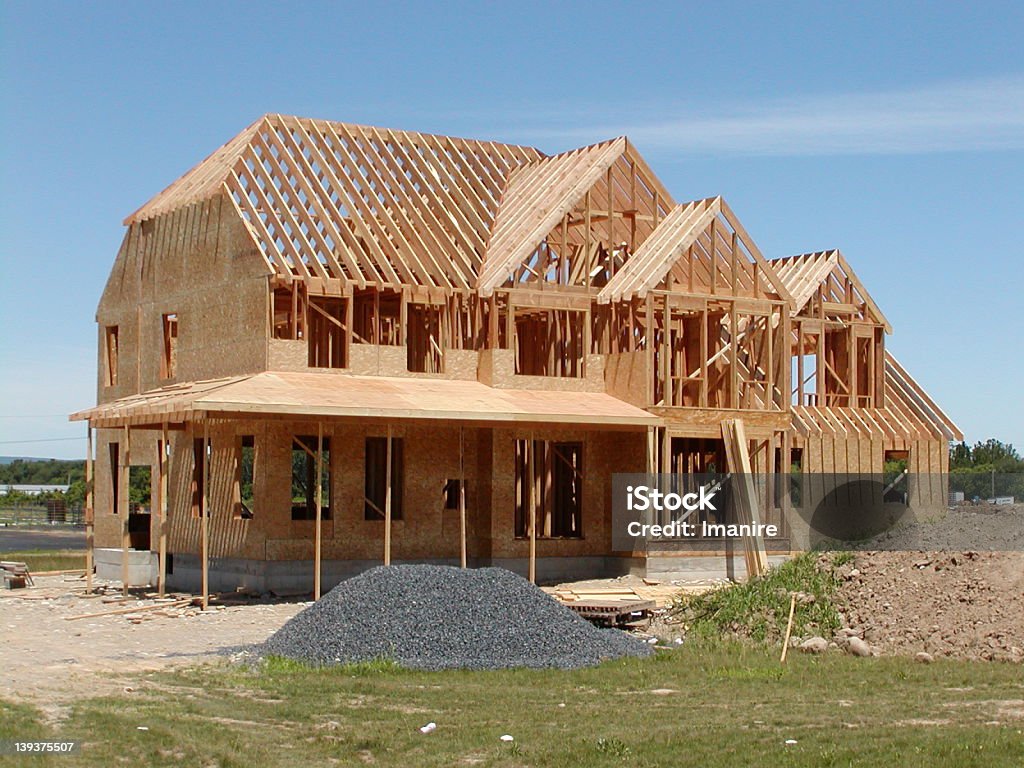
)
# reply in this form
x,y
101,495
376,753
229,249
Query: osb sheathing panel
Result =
x,y
603,454
627,377
200,263
498,369
927,465
845,455
143,453
384,360
427,530
287,355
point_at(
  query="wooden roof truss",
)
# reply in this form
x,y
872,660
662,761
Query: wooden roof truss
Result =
x,y
338,208
824,286
573,219
355,204
699,248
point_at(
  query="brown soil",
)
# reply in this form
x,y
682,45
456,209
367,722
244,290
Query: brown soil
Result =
x,y
961,604
965,603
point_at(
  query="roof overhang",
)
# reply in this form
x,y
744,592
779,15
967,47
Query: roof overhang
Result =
x,y
349,397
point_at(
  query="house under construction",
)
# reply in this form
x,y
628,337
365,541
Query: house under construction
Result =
x,y
333,345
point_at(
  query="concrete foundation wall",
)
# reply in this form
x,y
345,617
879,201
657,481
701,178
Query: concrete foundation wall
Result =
x,y
142,566
701,567
297,575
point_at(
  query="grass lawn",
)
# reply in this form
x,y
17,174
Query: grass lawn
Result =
x,y
40,560
730,705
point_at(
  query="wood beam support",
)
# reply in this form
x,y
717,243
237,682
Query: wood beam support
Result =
x,y
204,514
319,494
90,512
532,504
462,498
163,453
387,500
125,507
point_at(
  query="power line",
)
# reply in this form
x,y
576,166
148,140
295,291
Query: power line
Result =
x,y
42,440
33,415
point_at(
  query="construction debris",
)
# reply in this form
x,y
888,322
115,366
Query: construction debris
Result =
x,y
440,617
16,575
131,610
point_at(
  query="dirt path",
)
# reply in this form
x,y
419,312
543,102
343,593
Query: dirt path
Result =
x,y
45,658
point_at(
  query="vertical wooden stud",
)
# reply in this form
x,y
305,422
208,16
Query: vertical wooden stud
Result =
x,y
462,498
387,500
125,505
161,585
319,494
90,512
204,514
532,504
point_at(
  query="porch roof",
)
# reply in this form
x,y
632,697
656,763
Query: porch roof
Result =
x,y
338,395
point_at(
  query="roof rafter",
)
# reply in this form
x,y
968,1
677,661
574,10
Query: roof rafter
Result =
x,y
699,230
536,198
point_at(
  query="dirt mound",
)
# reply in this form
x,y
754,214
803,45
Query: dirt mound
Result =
x,y
961,604
952,586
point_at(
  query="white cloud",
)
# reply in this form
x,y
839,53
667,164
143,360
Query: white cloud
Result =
x,y
978,115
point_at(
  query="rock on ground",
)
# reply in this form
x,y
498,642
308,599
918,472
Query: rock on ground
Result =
x,y
858,647
814,645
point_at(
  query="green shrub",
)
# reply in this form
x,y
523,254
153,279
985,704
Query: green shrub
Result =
x,y
759,609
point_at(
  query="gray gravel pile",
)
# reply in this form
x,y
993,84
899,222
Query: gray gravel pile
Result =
x,y
440,617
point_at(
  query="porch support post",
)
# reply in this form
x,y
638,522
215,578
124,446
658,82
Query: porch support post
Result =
x,y
533,509
786,462
319,507
89,512
387,500
161,574
462,497
125,506
204,513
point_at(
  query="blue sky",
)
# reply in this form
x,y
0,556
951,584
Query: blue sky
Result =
x,y
893,131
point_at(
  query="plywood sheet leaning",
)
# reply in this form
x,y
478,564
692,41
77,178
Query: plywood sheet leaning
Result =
x,y
738,458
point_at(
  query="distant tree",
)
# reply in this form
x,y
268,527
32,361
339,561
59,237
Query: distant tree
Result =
x,y
140,485
41,472
988,468
1002,457
960,456
75,497
991,455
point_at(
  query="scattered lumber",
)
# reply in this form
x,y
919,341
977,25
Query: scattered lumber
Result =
x,y
133,609
72,572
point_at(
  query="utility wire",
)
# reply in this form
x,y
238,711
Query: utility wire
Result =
x,y
42,440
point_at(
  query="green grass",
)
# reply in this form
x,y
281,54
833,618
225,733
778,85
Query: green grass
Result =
x,y
725,705
39,560
759,609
